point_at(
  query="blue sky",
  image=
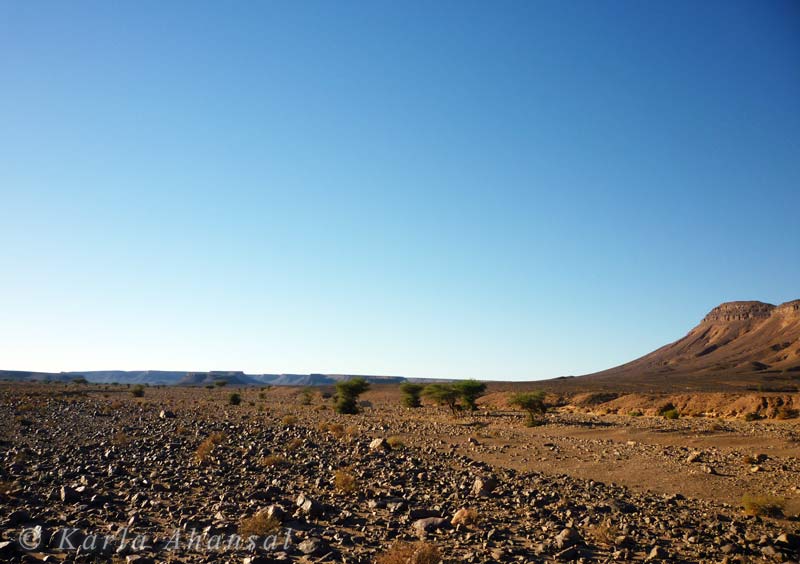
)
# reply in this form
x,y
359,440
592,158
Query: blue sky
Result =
x,y
514,190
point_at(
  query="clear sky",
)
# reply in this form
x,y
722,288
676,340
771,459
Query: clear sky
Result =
x,y
512,190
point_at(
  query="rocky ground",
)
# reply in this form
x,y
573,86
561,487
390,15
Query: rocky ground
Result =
x,y
175,475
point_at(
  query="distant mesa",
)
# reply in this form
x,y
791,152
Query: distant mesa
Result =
x,y
179,378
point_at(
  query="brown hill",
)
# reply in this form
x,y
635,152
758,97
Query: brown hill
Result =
x,y
737,345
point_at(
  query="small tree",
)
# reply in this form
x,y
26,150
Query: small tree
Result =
x,y
411,393
532,403
80,380
469,391
220,383
443,394
347,393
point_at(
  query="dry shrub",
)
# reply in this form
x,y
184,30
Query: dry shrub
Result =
x,y
274,460
336,429
410,553
289,420
204,450
604,533
120,438
763,505
344,481
321,407
258,525
395,441
294,444
786,412
467,516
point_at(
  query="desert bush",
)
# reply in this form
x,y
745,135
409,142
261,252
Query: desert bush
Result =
x,y
410,553
80,380
469,391
204,450
120,438
137,391
763,505
395,441
220,383
234,399
336,429
306,395
786,412
636,413
671,414
604,533
344,481
347,393
532,403
752,416
467,516
442,394
274,460
289,420
411,393
294,444
258,525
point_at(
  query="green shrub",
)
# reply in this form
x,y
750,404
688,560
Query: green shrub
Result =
x,y
411,393
532,403
763,505
347,393
442,394
671,414
469,391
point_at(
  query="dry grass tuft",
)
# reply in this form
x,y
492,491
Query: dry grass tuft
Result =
x,y
258,525
120,438
274,460
763,505
294,444
289,420
395,441
344,481
467,516
204,450
336,429
604,533
410,553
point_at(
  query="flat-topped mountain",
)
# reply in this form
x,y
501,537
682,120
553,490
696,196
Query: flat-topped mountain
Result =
x,y
746,341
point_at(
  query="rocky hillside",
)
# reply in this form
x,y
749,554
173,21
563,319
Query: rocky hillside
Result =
x,y
751,343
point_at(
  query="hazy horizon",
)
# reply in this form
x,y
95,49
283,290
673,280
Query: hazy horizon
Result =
x,y
432,191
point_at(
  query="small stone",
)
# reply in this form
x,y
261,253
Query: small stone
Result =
x,y
484,486
312,546
429,524
567,537
379,444
657,553
69,495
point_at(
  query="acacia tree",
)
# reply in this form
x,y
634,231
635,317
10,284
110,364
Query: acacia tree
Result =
x,y
532,403
469,391
347,393
411,393
443,394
